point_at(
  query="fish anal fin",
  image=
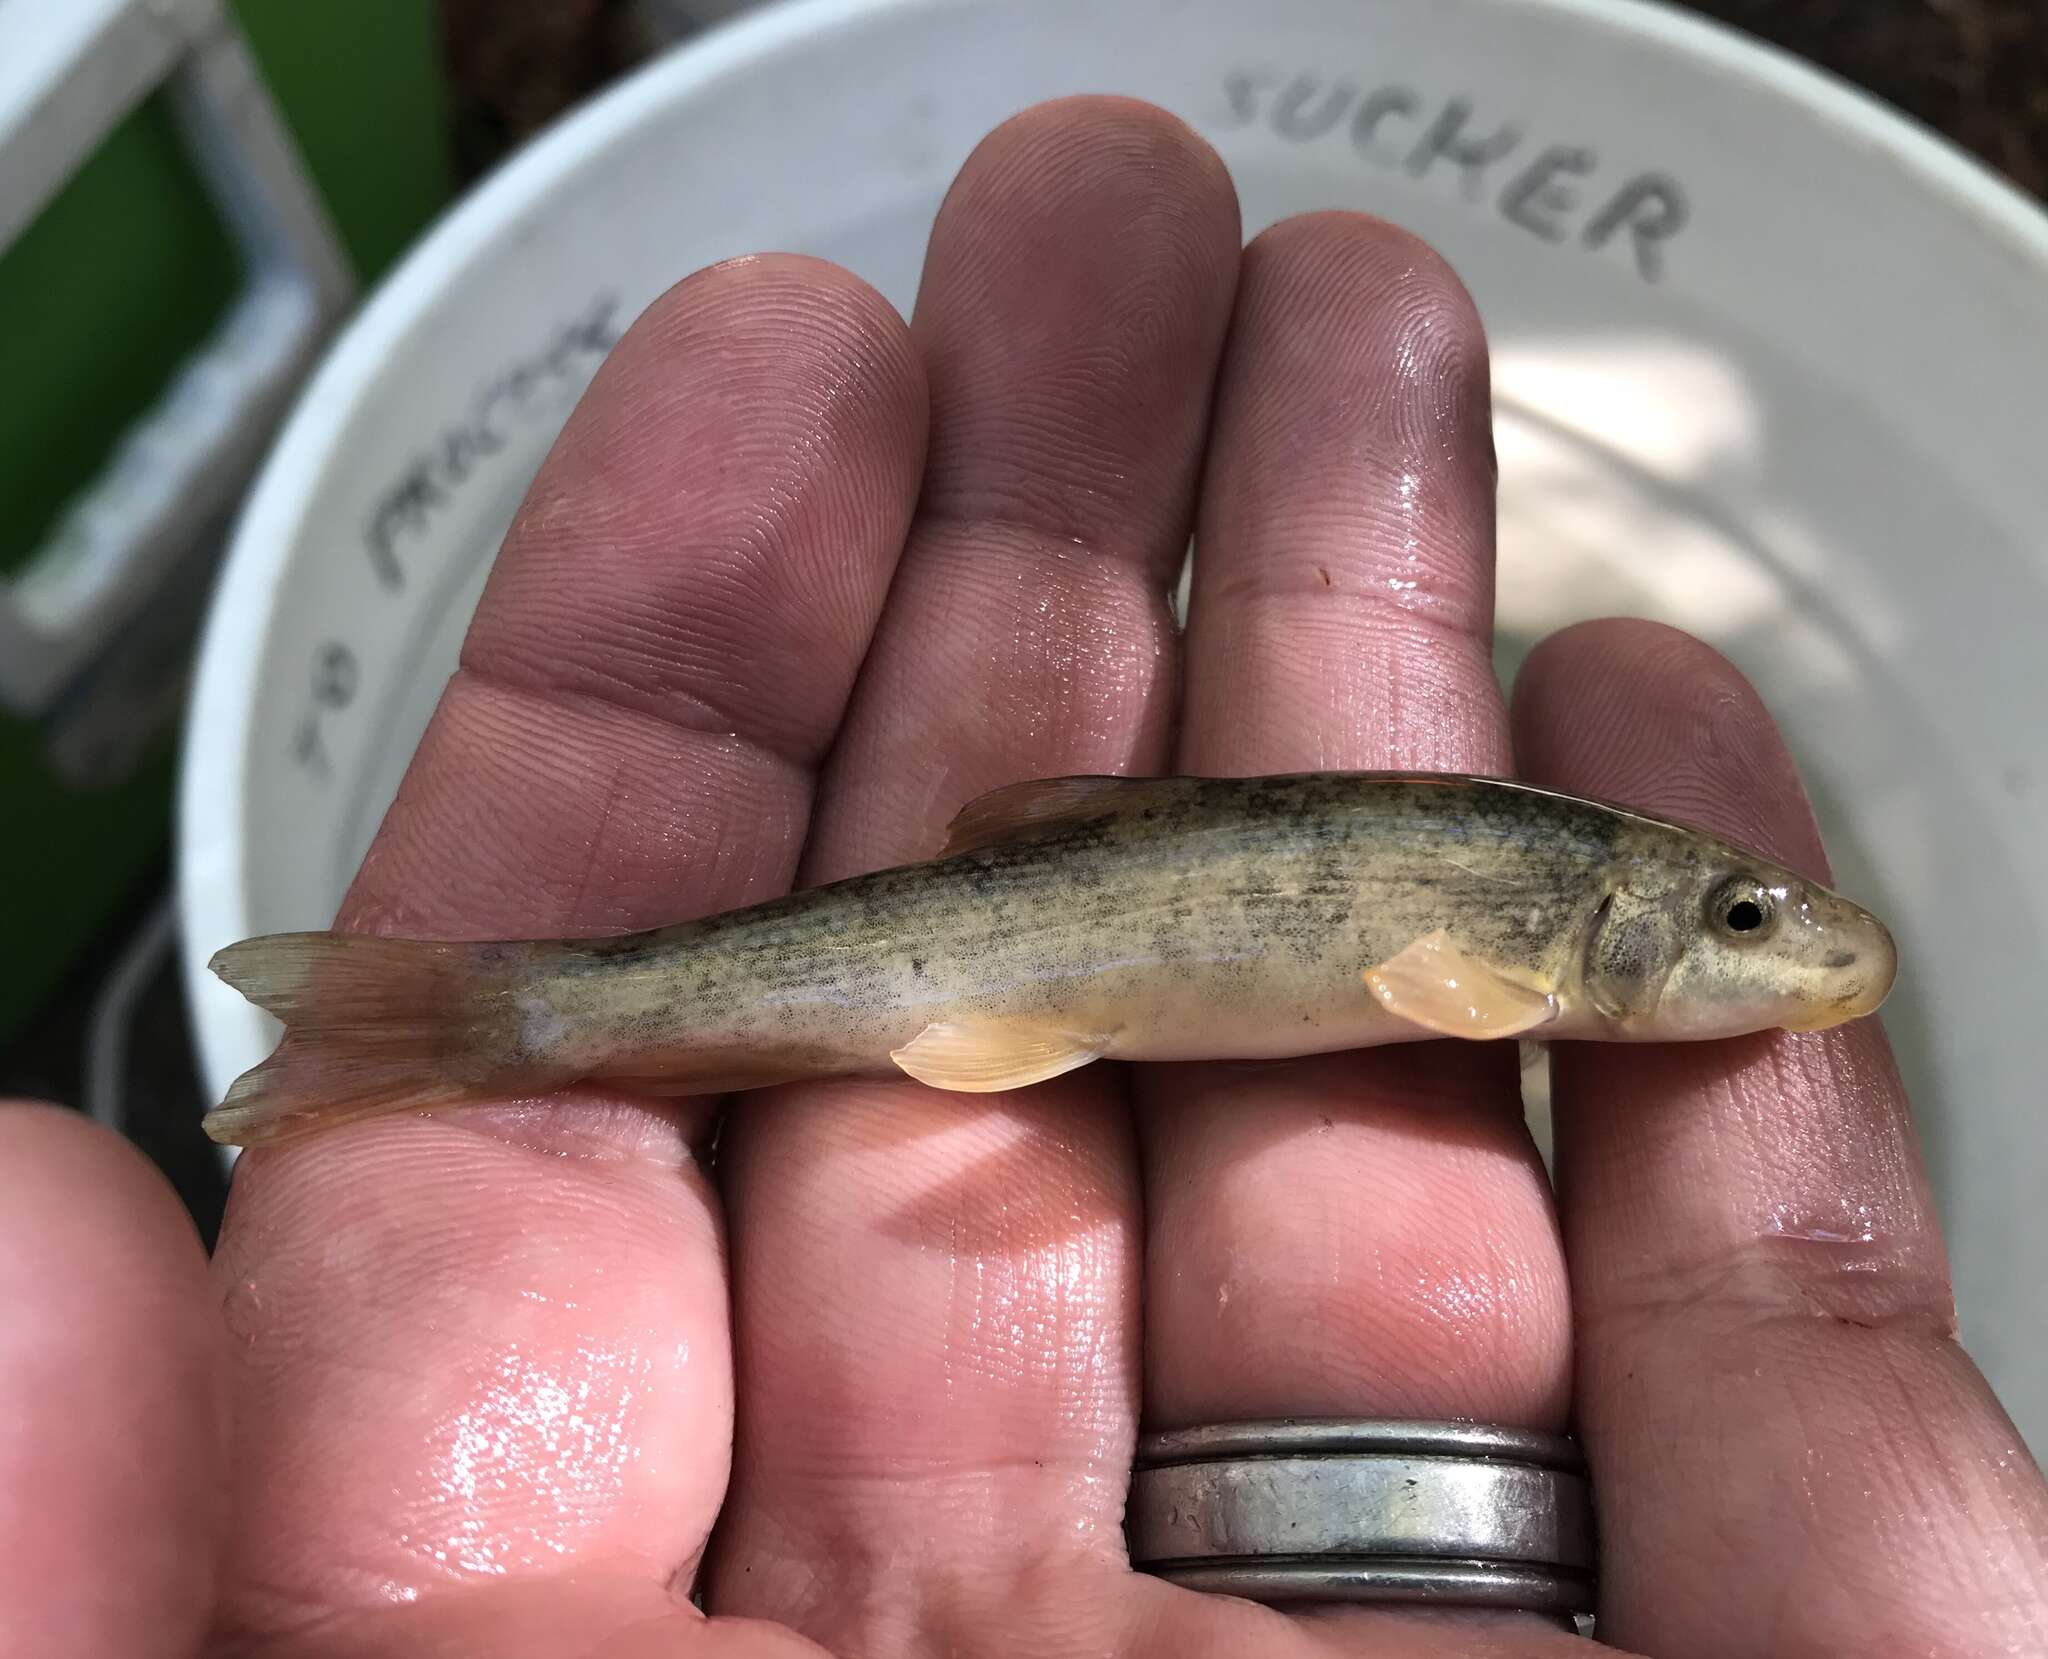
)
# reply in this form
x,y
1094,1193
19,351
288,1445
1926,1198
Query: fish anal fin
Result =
x,y
1434,984
1020,809
984,1056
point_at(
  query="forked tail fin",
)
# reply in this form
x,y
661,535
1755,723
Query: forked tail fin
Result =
x,y
374,1026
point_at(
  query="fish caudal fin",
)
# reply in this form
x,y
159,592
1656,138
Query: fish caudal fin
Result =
x,y
372,1026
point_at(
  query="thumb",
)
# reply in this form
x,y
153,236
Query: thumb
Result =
x,y
110,1367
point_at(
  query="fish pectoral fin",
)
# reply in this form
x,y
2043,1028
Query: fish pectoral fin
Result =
x,y
983,1056
1021,809
1435,985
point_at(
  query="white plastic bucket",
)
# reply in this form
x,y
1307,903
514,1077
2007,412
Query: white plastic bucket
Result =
x,y
1771,364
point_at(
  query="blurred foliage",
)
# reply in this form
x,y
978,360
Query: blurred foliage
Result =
x,y
1974,70
514,65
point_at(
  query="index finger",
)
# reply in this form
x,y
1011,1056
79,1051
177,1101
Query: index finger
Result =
x,y
1791,1453
493,1345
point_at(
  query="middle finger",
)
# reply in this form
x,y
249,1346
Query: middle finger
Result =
x,y
936,1294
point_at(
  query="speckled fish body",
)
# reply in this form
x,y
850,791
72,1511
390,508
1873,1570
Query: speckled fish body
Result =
x,y
1077,919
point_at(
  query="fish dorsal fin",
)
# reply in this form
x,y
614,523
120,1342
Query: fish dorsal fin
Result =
x,y
982,1056
1434,984
1020,809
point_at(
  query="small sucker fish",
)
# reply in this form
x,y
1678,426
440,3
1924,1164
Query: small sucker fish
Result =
x,y
1077,919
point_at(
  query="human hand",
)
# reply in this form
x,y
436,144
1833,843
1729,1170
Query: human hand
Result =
x,y
796,582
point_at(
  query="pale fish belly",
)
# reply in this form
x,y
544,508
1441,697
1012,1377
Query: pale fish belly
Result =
x,y
1249,1009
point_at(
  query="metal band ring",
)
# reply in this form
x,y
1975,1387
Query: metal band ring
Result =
x,y
1361,1434
1432,1583
1466,1514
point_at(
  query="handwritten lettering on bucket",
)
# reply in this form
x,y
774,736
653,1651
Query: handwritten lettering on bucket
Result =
x,y
532,394
1548,190
1558,193
531,388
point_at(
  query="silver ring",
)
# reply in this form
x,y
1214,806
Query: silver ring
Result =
x,y
1367,1509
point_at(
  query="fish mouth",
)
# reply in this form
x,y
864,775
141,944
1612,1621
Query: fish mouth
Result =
x,y
1826,1019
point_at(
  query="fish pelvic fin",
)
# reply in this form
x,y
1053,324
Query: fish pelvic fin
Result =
x,y
985,1056
1435,985
374,1026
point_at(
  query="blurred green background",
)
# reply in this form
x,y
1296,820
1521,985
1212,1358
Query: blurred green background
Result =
x,y
126,272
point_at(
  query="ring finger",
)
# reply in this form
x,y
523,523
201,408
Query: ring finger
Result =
x,y
1365,1234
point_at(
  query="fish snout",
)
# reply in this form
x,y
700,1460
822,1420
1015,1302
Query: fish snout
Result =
x,y
1868,977
1859,964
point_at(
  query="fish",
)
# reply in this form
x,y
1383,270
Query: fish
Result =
x,y
1070,920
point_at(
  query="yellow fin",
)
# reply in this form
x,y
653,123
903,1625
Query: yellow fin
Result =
x,y
1438,987
1021,809
982,1056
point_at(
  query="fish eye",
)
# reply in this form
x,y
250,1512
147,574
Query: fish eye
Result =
x,y
1742,908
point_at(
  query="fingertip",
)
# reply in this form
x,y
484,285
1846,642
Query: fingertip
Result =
x,y
1112,165
804,279
1635,711
28,1107
1117,129
110,1363
1084,258
98,1255
803,346
64,1176
1386,262
833,312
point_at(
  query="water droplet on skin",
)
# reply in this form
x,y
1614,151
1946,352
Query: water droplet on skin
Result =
x,y
241,1311
560,1428
1851,1224
1848,1229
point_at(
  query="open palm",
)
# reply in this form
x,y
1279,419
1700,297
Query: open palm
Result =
x,y
796,582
